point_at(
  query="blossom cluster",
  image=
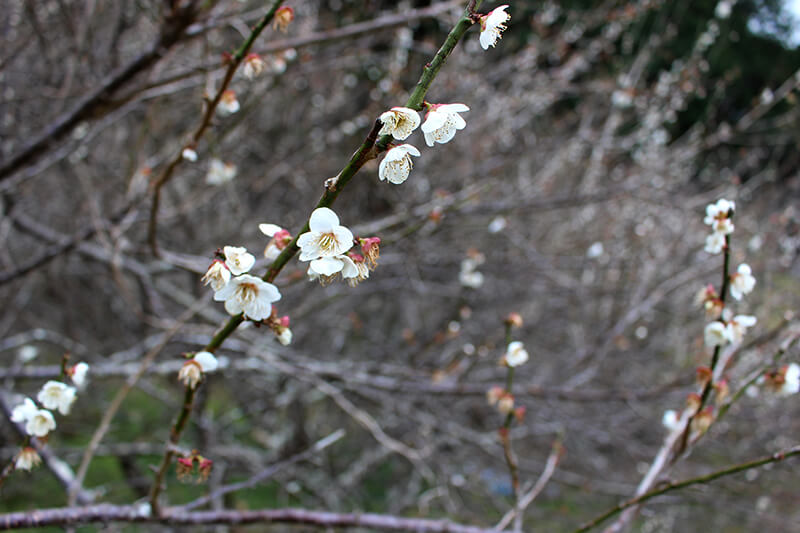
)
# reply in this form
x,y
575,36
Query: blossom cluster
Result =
x,y
327,247
39,421
442,121
515,355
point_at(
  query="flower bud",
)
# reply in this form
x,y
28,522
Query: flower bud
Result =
x,y
190,373
283,17
514,320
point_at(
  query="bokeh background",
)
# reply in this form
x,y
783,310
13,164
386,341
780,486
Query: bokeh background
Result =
x,y
597,133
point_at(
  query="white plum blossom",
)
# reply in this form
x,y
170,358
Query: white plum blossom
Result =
x,y
79,372
492,26
737,327
742,282
24,411
715,243
40,424
723,9
228,104
27,458
326,238
397,164
716,334
249,295
207,361
718,216
189,154
442,122
791,380
285,336
238,260
57,395
220,172
515,354
218,275
253,66
670,420
399,122
190,373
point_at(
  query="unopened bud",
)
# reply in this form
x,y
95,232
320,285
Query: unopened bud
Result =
x,y
514,320
283,17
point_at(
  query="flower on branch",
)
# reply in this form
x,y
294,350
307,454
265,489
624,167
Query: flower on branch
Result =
x,y
515,354
742,281
397,164
27,459
442,121
670,420
218,275
249,295
493,25
253,66
238,260
207,361
78,374
715,243
228,104
399,122
283,17
220,172
718,216
190,373
189,154
40,424
326,269
24,411
326,238
737,327
716,334
791,380
57,395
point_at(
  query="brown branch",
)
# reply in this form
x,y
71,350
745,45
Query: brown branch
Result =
x,y
140,514
171,33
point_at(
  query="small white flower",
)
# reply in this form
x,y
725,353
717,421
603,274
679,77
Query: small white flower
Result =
x,y
57,395
595,250
218,275
397,164
189,154
399,122
326,237
27,459
717,216
715,243
285,336
40,424
207,361
516,354
253,66
249,295
442,122
670,420
492,26
220,172
27,353
238,260
742,282
472,279
791,380
190,373
716,334
24,411
737,327
79,372
228,104
497,224
723,9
